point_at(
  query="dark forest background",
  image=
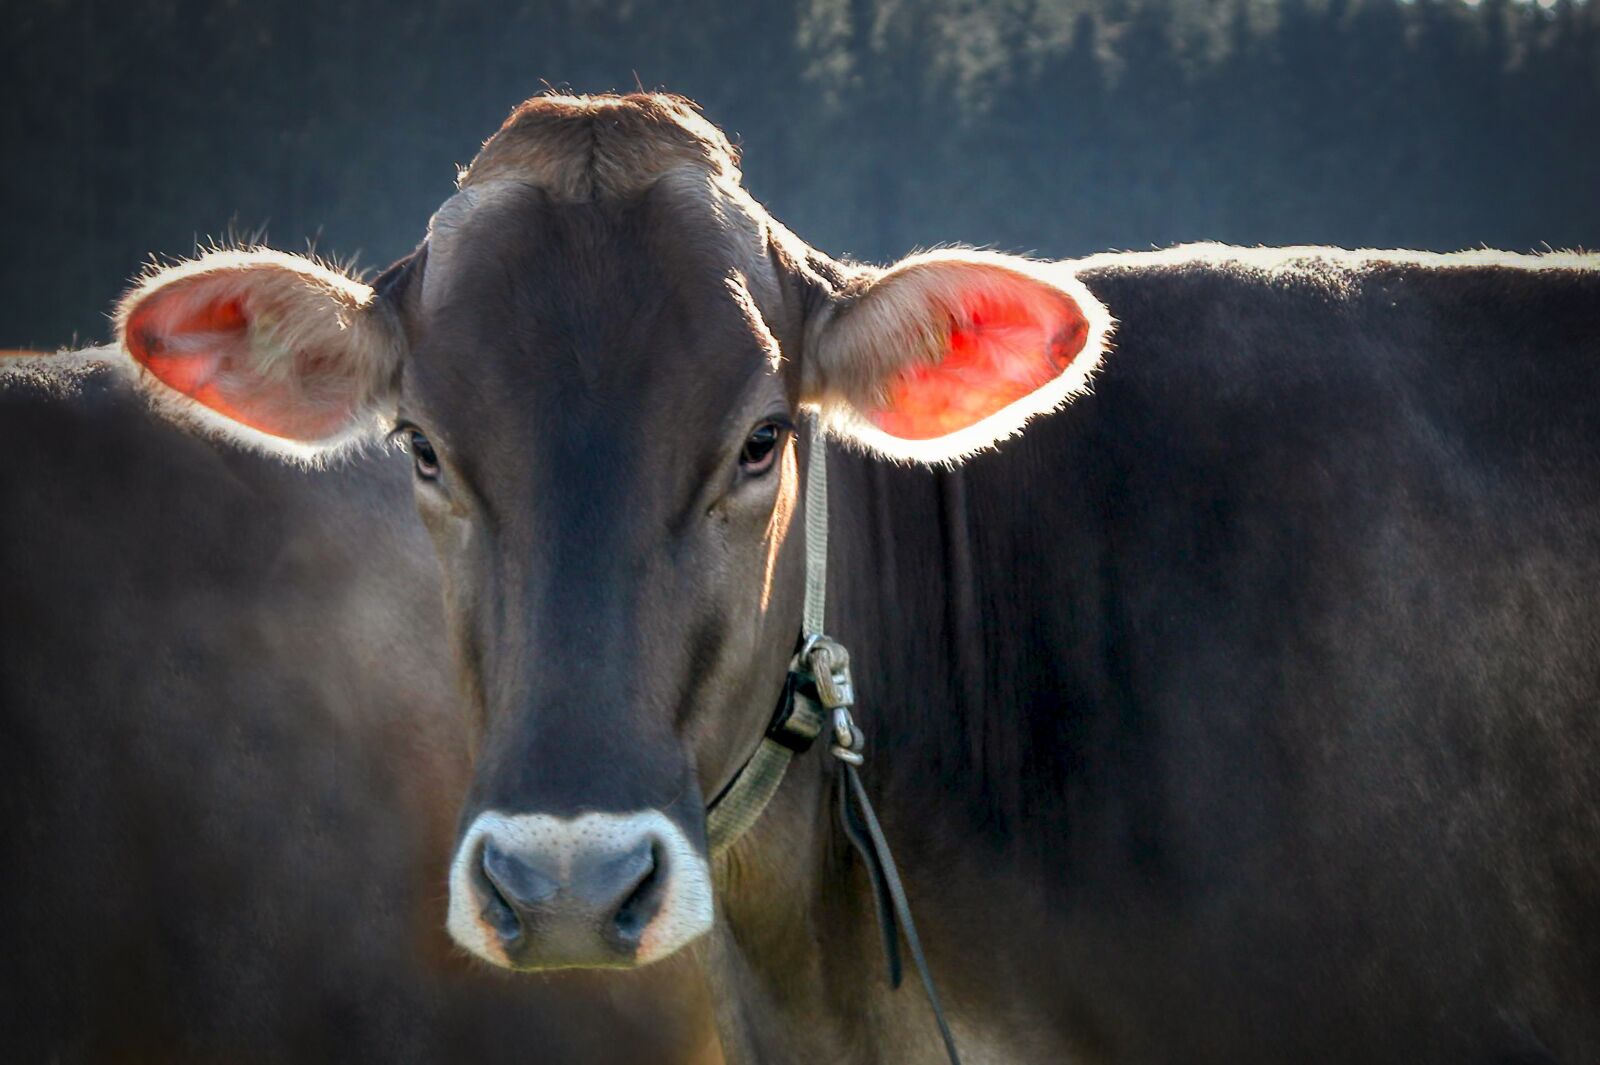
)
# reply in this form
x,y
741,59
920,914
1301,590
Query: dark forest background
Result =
x,y
1058,127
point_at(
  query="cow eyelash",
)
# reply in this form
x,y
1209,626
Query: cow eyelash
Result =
x,y
416,443
759,451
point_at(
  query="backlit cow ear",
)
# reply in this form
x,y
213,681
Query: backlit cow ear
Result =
x,y
945,353
274,350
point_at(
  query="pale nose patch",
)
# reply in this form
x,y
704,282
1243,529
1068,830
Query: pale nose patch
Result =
x,y
686,907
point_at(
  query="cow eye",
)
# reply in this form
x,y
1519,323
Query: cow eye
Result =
x,y
760,448
423,456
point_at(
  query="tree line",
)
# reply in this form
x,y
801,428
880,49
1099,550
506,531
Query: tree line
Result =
x,y
1058,127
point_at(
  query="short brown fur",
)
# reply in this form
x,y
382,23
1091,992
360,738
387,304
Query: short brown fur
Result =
x,y
584,148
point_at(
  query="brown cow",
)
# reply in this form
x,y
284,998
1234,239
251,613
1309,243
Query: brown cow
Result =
x,y
1241,709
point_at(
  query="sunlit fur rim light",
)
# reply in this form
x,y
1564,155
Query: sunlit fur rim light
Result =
x,y
555,142
65,368
1308,260
1337,269
912,328
316,304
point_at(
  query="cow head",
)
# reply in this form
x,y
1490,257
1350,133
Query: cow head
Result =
x,y
597,359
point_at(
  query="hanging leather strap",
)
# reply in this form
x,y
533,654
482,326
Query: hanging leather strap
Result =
x,y
894,912
860,823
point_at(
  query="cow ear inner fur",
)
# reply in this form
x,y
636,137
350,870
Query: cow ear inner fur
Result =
x,y
946,353
277,351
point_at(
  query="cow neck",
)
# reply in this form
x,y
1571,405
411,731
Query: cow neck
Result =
x,y
817,687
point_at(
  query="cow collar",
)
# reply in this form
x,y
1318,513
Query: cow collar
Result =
x,y
818,686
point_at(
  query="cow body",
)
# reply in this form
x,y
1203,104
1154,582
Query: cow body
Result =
x,y
1240,708
230,760
1245,709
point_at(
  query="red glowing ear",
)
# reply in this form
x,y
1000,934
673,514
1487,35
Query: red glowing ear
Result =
x,y
946,353
996,353
278,350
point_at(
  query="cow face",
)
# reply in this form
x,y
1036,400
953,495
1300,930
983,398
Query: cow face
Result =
x,y
597,360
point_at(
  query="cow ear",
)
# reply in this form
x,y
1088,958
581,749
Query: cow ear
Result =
x,y
946,353
273,350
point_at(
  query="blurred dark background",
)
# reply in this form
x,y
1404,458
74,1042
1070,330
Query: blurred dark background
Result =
x,y
871,126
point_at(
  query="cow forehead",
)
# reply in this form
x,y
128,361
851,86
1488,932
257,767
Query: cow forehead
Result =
x,y
703,221
548,317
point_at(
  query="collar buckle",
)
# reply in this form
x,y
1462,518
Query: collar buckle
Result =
x,y
828,667
818,683
797,723
826,663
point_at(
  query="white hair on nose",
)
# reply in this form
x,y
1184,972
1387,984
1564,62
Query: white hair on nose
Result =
x,y
686,909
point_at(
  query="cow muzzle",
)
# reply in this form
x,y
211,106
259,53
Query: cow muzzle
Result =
x,y
534,891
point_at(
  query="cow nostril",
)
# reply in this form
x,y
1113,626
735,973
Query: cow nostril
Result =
x,y
496,908
593,903
641,905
